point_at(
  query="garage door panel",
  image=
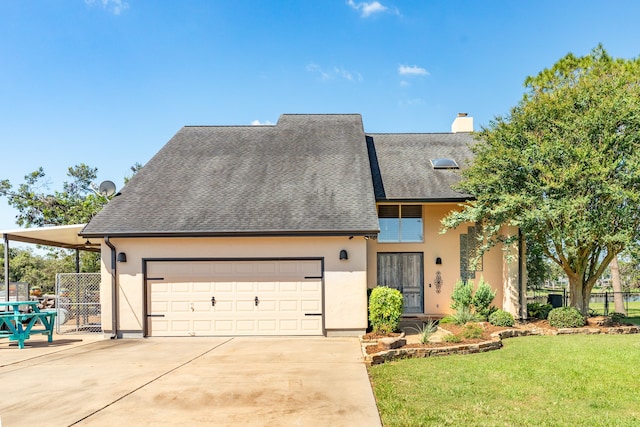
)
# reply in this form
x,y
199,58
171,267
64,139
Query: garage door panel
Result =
x,y
310,305
286,290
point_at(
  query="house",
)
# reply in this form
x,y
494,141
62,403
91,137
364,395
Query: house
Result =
x,y
280,230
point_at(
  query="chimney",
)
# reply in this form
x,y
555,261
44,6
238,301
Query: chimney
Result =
x,y
462,123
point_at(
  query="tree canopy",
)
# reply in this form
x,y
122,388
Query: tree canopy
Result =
x,y
77,203
564,167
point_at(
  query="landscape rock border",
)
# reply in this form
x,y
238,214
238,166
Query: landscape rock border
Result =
x,y
394,352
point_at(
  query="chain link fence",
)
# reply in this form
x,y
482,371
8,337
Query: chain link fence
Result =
x,y
78,303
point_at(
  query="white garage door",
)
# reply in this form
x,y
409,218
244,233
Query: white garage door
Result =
x,y
227,298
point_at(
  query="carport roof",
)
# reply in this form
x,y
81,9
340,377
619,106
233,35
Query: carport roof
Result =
x,y
63,236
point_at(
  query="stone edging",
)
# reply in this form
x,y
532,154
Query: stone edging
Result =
x,y
494,344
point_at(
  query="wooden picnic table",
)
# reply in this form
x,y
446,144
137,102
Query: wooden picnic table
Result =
x,y
19,325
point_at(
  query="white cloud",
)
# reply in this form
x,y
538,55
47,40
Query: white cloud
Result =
x,y
259,123
115,6
414,70
334,73
368,9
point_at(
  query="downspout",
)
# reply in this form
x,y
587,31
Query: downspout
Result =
x,y
114,289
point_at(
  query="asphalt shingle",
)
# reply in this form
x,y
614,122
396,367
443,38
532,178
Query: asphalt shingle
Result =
x,y
308,174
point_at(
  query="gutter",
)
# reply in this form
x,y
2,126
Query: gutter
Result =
x,y
114,290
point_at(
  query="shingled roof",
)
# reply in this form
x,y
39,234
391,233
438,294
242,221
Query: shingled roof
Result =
x,y
307,175
402,169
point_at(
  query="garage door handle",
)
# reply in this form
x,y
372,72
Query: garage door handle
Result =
x,y
155,315
257,301
213,301
313,314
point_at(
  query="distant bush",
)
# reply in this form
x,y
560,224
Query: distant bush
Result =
x,y
565,317
385,309
501,318
538,310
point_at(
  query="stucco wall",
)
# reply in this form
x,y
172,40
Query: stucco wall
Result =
x,y
447,247
344,281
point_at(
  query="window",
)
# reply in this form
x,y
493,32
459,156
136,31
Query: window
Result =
x,y
444,163
400,223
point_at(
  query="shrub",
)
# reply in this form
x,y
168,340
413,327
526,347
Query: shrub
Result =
x,y
464,316
462,296
451,338
483,298
472,330
501,318
385,309
448,319
565,317
538,310
426,330
617,317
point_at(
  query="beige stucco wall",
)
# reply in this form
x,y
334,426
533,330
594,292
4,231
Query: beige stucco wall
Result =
x,y
344,281
496,271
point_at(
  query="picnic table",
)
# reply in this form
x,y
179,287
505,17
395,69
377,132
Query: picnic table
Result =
x,y
18,325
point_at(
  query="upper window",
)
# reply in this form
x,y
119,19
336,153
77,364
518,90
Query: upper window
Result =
x,y
400,223
444,163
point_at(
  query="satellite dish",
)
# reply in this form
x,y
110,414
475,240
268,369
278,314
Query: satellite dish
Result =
x,y
107,188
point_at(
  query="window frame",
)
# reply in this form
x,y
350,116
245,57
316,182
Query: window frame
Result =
x,y
399,219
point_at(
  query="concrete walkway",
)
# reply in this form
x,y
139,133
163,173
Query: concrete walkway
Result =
x,y
187,381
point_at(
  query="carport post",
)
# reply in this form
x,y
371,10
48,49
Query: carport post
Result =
x,y
6,265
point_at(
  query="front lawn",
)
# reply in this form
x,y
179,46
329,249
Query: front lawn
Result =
x,y
570,380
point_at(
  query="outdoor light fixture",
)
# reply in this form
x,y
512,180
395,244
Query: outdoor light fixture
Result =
x,y
343,254
122,257
438,261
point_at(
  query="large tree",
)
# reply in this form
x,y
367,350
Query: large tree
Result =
x,y
77,203
564,167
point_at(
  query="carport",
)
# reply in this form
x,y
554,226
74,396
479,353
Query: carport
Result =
x,y
63,236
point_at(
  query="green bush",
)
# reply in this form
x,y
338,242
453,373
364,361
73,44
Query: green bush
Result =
x,y
385,309
462,296
451,338
482,299
538,310
617,317
464,316
472,330
501,318
565,317
426,330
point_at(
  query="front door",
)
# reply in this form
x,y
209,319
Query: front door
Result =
x,y
404,271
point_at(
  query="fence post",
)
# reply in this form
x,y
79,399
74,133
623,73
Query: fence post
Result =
x,y
606,303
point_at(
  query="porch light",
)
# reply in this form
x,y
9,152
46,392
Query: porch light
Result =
x,y
122,257
438,261
343,254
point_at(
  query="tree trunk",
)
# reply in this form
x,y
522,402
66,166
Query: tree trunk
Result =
x,y
617,286
579,296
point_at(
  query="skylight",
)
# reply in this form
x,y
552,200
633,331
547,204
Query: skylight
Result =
x,y
444,163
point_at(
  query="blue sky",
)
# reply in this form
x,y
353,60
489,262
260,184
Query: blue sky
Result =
x,y
108,82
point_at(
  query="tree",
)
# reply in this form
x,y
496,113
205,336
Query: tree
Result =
x,y
77,202
564,167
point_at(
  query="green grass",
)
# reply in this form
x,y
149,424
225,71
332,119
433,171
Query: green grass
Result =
x,y
633,308
575,380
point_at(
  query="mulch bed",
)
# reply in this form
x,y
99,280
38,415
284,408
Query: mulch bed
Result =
x,y
487,330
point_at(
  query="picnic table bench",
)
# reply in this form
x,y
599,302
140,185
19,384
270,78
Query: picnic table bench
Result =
x,y
19,325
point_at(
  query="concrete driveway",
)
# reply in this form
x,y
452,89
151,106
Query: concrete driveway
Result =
x,y
186,381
